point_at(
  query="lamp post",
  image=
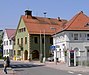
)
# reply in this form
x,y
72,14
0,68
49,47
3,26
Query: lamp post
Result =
x,y
44,47
55,59
40,47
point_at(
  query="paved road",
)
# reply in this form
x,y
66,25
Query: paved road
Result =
x,y
42,70
21,68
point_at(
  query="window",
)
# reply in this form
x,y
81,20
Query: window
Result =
x,y
87,36
24,29
7,51
14,52
35,39
51,40
18,42
10,42
42,40
25,40
19,53
71,36
75,36
4,42
21,41
14,41
3,52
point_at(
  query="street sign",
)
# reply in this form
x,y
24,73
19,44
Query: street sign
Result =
x,y
52,47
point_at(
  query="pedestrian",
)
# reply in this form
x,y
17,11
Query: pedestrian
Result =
x,y
6,64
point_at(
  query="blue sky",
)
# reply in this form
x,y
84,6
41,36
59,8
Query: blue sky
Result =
x,y
11,10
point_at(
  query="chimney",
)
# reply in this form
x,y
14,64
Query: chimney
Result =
x,y
28,13
59,19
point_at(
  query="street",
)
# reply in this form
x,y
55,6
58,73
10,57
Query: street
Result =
x,y
23,68
40,70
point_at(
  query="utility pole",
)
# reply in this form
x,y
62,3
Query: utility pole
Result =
x,y
44,48
40,47
55,59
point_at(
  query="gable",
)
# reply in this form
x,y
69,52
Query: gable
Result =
x,y
20,26
5,35
78,22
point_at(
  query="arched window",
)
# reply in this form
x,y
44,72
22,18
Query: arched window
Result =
x,y
77,51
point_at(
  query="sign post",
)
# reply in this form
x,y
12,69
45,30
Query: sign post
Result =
x,y
53,48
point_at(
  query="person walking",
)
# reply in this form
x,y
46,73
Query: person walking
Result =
x,y
6,64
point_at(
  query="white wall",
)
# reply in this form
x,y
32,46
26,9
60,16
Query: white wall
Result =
x,y
7,48
65,38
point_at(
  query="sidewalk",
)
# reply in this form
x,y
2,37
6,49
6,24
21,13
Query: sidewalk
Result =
x,y
9,72
63,66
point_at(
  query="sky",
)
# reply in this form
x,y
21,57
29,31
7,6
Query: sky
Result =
x,y
11,10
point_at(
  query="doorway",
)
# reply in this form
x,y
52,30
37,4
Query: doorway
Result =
x,y
35,55
26,55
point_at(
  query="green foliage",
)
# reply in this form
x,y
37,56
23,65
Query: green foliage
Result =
x,y
1,43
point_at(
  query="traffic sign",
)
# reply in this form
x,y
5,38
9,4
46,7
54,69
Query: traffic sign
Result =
x,y
52,47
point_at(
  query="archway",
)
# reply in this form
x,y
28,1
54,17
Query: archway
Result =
x,y
25,55
35,55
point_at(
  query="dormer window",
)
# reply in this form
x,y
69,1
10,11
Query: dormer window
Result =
x,y
87,24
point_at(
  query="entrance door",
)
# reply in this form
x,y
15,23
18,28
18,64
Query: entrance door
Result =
x,y
35,55
87,55
72,58
26,55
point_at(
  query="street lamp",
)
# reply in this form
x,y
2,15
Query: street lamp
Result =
x,y
40,47
44,48
41,54
55,59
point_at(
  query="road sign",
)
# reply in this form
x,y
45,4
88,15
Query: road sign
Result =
x,y
52,47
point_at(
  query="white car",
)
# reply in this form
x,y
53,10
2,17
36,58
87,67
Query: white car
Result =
x,y
50,58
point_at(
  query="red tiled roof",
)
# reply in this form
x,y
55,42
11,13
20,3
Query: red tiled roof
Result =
x,y
78,22
37,24
10,32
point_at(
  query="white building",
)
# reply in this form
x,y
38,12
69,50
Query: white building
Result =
x,y
8,42
74,35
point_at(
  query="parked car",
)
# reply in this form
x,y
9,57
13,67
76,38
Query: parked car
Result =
x,y
51,59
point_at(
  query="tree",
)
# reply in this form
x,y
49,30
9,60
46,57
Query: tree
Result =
x,y
1,44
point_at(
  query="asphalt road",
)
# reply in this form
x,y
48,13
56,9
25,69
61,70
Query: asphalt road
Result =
x,y
42,70
21,68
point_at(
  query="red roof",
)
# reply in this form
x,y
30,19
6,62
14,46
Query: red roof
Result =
x,y
79,22
10,32
36,24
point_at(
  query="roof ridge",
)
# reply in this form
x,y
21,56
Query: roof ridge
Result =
x,y
74,19
9,29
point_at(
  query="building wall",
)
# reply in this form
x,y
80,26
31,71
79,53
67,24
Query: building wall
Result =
x,y
65,41
30,46
20,35
60,42
7,47
36,46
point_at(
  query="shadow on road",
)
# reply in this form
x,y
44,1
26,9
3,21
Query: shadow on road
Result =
x,y
24,65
